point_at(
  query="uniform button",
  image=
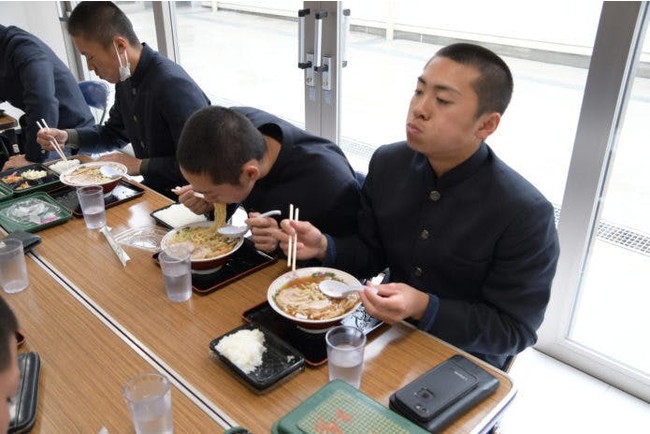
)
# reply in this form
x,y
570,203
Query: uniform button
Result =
x,y
135,119
417,271
434,196
424,234
133,91
142,144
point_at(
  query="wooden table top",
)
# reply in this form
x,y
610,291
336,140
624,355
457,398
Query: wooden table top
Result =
x,y
7,122
178,335
84,364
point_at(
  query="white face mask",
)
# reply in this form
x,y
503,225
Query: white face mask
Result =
x,y
125,70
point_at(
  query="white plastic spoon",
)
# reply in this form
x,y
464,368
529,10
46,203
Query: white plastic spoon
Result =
x,y
111,172
231,231
336,289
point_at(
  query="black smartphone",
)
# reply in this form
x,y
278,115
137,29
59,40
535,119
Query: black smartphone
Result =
x,y
444,393
29,240
434,391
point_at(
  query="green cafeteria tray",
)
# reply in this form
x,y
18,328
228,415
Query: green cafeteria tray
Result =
x,y
339,407
32,213
5,193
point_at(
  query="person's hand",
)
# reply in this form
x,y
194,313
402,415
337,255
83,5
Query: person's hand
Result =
x,y
393,302
45,136
263,229
15,162
132,164
311,242
186,197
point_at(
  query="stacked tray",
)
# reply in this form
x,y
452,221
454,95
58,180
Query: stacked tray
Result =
x,y
28,179
32,213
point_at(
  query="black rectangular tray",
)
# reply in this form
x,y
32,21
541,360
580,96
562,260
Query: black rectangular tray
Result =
x,y
49,182
279,361
123,191
244,261
311,345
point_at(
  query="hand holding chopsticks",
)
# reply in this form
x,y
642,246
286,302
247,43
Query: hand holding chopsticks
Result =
x,y
58,148
293,240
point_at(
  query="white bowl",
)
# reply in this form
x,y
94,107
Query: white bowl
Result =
x,y
107,184
201,264
311,324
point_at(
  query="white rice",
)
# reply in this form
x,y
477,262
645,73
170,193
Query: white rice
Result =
x,y
244,349
61,166
178,215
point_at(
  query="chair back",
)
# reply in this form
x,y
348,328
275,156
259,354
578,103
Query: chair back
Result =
x,y
96,95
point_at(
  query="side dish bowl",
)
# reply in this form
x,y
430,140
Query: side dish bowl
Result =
x,y
313,325
90,174
201,264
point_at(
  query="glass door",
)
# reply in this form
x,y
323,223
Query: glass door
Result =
x,y
597,318
244,53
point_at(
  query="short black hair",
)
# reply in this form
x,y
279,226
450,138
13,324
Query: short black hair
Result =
x,y
217,141
494,86
8,327
101,22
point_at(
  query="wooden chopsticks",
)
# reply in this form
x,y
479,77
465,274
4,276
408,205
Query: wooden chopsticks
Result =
x,y
58,148
293,240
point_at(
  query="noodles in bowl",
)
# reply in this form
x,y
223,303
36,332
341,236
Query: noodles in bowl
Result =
x,y
91,174
209,249
295,295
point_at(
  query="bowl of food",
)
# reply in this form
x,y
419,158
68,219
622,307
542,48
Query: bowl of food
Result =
x,y
209,249
295,295
91,174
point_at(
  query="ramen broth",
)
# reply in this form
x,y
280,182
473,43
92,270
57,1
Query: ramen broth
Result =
x,y
302,299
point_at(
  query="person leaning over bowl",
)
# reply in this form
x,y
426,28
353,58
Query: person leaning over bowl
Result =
x,y
242,155
35,80
471,245
9,372
147,113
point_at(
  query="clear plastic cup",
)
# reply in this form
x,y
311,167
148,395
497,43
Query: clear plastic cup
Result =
x,y
91,200
177,273
13,269
150,400
345,347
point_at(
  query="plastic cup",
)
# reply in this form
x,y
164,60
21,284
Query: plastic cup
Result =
x,y
345,346
13,269
91,199
150,400
177,273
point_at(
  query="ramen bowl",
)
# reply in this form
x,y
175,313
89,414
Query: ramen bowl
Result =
x,y
311,274
204,265
90,174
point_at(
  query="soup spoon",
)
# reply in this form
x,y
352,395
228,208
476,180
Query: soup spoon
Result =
x,y
336,289
232,231
110,172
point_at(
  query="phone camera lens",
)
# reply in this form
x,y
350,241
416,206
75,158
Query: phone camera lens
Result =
x,y
424,394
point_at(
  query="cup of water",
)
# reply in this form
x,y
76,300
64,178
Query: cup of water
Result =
x,y
345,345
91,199
177,272
13,269
150,401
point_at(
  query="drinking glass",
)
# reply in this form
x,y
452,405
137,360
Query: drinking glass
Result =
x,y
177,273
91,199
345,345
149,398
13,269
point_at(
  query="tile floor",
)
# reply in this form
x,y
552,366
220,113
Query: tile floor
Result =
x,y
555,398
